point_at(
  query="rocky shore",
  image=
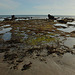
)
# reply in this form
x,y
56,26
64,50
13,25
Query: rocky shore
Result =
x,y
35,47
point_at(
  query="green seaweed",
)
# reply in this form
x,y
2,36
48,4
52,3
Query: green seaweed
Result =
x,y
40,39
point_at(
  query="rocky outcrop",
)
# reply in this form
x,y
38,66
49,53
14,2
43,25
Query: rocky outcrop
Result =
x,y
13,17
62,21
50,17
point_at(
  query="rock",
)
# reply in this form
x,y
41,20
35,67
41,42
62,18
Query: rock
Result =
x,y
13,17
73,52
73,32
26,66
1,40
13,41
51,49
54,54
50,17
19,60
10,56
62,21
4,49
68,50
6,19
42,59
69,19
73,46
15,67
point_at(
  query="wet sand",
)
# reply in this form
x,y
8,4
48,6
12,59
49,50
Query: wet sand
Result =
x,y
33,47
54,66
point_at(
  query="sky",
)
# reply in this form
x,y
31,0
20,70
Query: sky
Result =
x,y
37,7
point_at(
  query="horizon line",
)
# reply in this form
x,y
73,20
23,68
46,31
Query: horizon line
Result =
x,y
38,14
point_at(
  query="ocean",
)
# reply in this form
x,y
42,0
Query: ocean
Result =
x,y
36,16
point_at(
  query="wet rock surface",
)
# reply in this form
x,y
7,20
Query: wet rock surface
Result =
x,y
33,42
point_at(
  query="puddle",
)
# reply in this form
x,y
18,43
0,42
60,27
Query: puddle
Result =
x,y
5,26
61,38
21,19
1,19
6,36
58,24
68,60
4,30
69,29
69,42
55,20
71,23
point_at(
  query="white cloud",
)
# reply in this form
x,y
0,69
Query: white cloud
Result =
x,y
8,4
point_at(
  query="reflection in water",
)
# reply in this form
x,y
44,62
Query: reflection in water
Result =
x,y
4,30
6,36
58,24
69,41
69,29
71,23
5,25
1,19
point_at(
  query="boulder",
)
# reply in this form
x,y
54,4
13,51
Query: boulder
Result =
x,y
13,17
62,21
6,19
50,17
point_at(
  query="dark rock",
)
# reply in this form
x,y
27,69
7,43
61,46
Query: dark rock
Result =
x,y
54,54
73,51
13,41
73,46
62,21
42,59
13,17
26,66
6,19
30,51
10,56
73,32
19,60
50,49
50,17
69,19
4,49
15,67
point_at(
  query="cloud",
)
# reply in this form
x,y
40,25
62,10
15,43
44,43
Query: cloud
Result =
x,y
8,4
37,6
67,6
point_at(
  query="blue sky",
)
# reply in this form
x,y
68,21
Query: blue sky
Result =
x,y
37,7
